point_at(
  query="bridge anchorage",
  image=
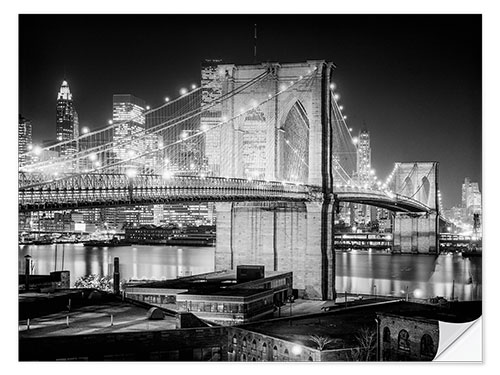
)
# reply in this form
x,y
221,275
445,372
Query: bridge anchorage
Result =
x,y
267,142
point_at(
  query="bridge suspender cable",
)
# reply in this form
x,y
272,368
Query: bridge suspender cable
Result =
x,y
66,176
142,133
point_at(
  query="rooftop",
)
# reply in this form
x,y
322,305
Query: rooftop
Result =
x,y
211,281
91,317
343,324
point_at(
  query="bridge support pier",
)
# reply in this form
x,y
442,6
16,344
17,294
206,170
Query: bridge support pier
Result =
x,y
282,236
415,233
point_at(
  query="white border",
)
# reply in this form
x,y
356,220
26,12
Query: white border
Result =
x,y
9,40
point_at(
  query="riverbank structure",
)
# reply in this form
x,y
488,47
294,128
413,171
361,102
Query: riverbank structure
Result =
x,y
225,297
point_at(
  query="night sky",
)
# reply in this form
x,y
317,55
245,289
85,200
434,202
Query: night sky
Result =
x,y
414,80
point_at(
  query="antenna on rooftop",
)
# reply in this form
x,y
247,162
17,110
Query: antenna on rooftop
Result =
x,y
255,43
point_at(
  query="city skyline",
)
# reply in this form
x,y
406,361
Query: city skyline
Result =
x,y
238,187
422,85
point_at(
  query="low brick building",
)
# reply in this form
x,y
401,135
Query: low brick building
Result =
x,y
406,332
247,346
405,338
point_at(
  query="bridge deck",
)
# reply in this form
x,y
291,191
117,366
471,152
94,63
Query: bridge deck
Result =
x,y
105,190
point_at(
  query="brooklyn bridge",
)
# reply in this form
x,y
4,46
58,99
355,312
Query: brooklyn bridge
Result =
x,y
269,144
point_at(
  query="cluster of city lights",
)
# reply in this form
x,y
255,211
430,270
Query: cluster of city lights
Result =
x,y
85,131
167,173
391,176
373,182
336,97
440,201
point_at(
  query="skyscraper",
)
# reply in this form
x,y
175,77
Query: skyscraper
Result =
x,y
24,132
131,141
211,83
364,158
66,120
128,114
471,199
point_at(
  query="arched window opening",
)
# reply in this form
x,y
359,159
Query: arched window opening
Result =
x,y
294,143
387,335
408,187
427,346
286,354
426,187
404,340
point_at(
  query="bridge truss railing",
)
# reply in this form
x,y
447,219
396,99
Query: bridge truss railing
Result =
x,y
100,190
353,192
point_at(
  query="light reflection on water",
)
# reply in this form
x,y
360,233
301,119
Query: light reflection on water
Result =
x,y
364,272
423,276
158,262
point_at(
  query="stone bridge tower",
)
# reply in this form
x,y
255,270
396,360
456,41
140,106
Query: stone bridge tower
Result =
x,y
282,236
417,233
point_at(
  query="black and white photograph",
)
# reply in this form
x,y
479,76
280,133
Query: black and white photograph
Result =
x,y
248,187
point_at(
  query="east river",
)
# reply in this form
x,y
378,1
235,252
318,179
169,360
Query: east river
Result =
x,y
421,276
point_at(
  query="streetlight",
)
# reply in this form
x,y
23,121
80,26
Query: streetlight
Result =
x,y
377,353
167,175
131,173
296,350
290,299
407,294
37,150
85,130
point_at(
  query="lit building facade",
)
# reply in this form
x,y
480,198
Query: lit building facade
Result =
x,y
254,130
66,120
189,214
220,297
211,82
128,113
471,197
24,139
364,157
471,205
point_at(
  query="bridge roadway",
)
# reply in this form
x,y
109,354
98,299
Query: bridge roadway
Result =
x,y
108,190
